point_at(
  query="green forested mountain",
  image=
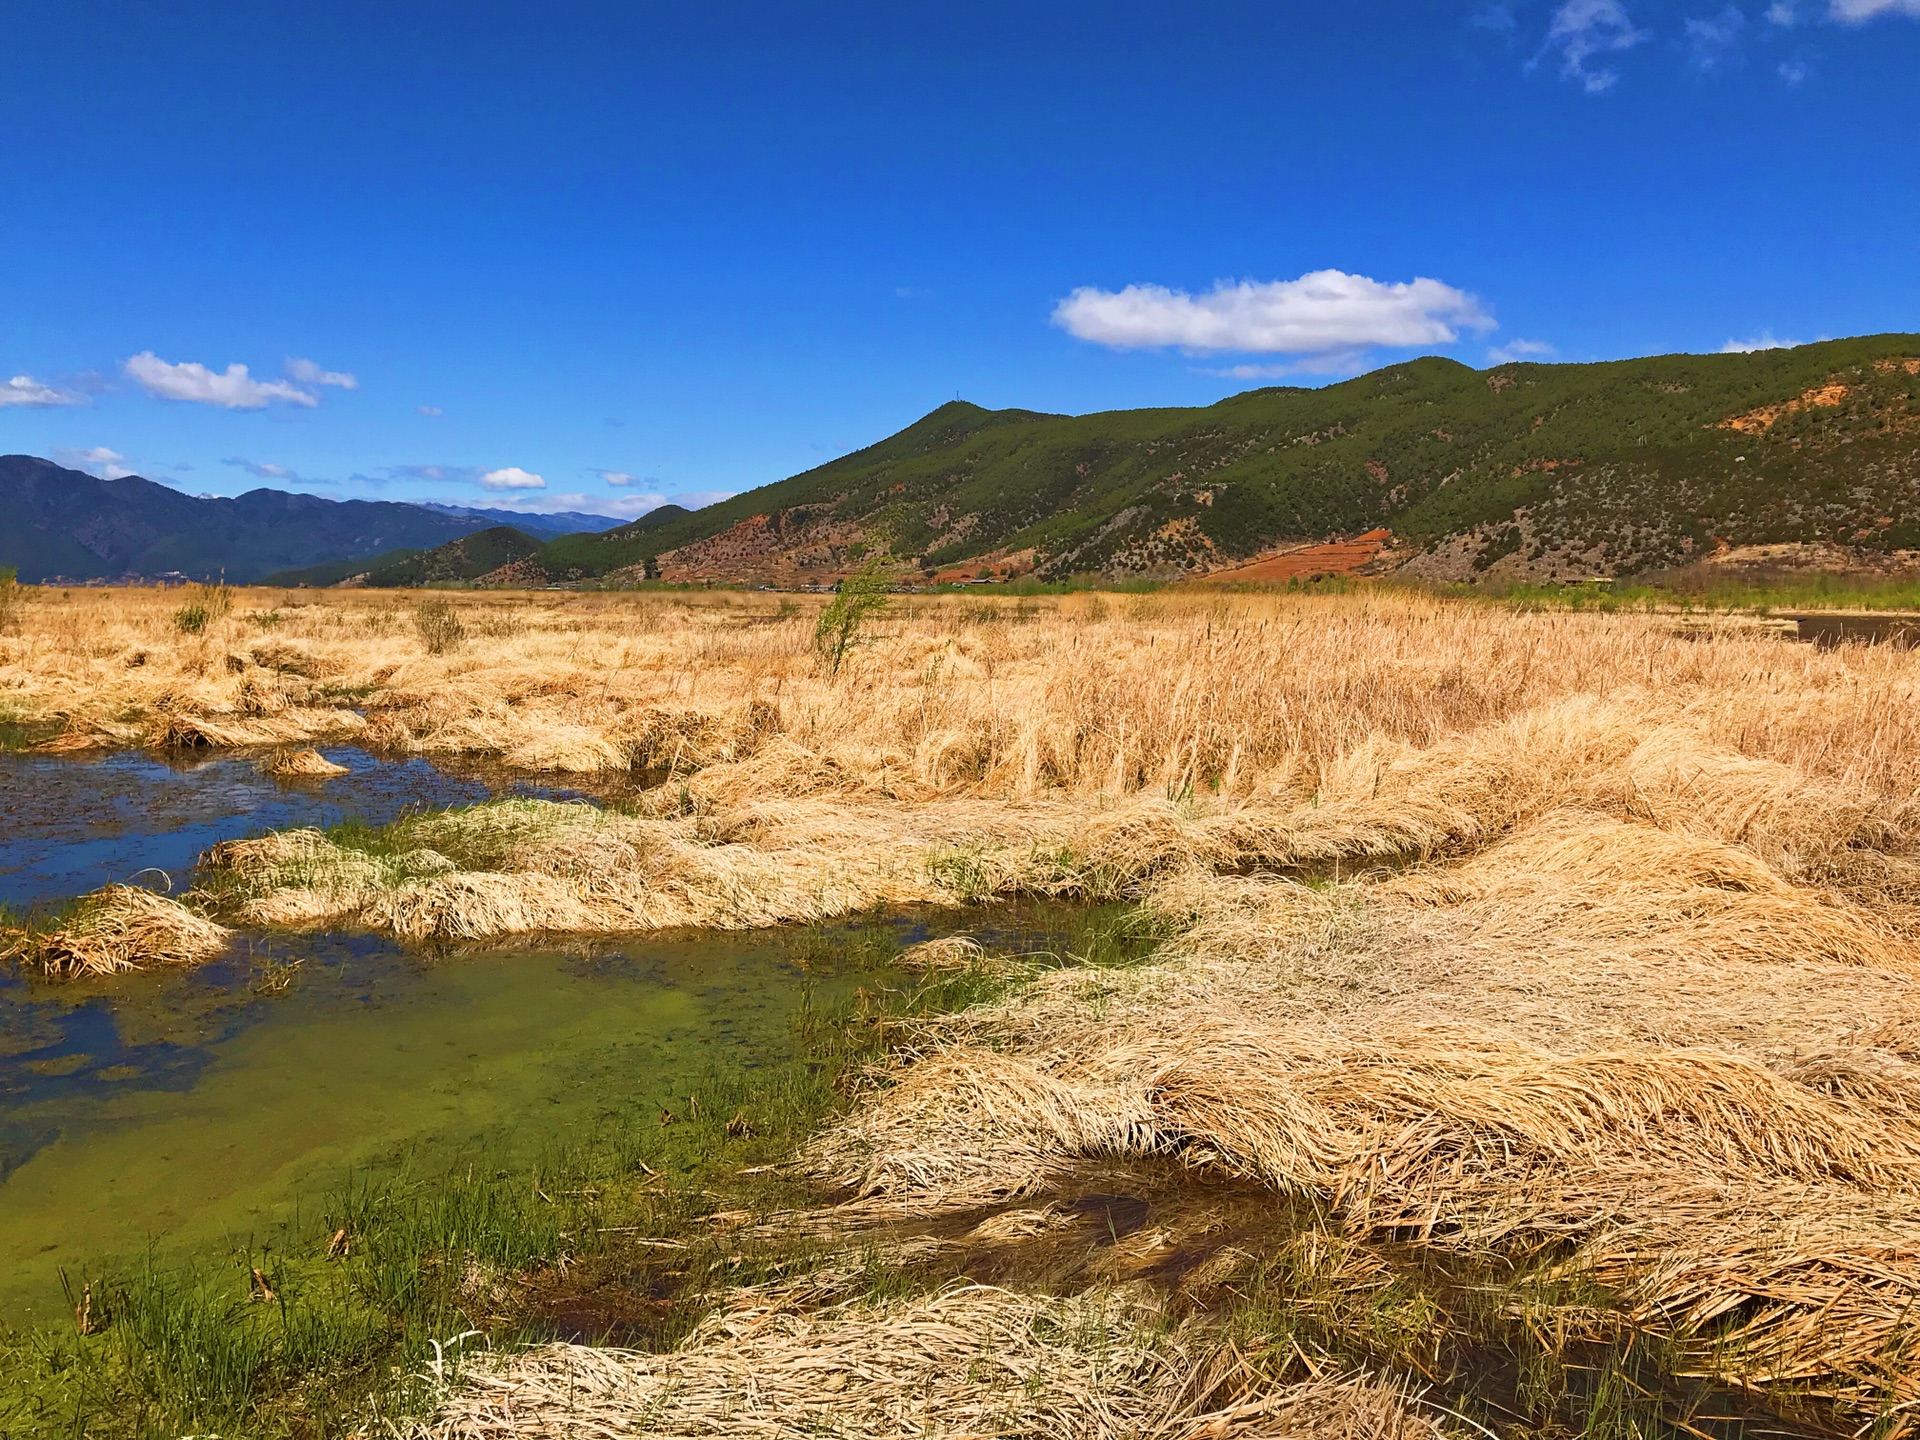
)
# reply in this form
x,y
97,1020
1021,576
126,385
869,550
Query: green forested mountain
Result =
x,y
1629,464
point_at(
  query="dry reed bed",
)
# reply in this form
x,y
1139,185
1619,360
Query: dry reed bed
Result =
x,y
1630,808
1554,1043
1250,696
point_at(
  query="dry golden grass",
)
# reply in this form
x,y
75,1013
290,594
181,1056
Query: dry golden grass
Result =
x,y
1250,697
1533,935
121,927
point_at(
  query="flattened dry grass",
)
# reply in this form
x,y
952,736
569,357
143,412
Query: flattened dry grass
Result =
x,y
973,1362
1615,1024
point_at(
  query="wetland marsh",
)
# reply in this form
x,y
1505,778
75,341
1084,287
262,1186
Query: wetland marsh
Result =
x,y
1173,1014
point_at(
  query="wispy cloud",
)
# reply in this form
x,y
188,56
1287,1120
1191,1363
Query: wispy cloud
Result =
x,y
1581,32
1333,362
231,389
1765,340
459,474
1856,11
1519,350
1327,313
1782,14
308,373
260,469
24,390
505,478
99,460
432,410
1714,44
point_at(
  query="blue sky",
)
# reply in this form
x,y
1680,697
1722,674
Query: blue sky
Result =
x,y
495,254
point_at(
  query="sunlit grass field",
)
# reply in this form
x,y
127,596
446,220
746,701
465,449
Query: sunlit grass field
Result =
x,y
1516,1018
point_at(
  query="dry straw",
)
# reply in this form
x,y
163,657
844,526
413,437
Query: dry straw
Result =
x,y
302,763
119,928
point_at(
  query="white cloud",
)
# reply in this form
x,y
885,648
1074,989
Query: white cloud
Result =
x,y
1856,11
1584,29
232,389
1716,43
27,391
1321,313
1781,13
1519,350
308,373
1793,72
621,480
1766,340
433,410
107,464
512,477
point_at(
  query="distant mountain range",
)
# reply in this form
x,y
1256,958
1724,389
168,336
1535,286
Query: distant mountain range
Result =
x,y
1428,468
552,522
65,524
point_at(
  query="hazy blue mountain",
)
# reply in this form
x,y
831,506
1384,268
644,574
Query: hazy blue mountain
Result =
x,y
57,523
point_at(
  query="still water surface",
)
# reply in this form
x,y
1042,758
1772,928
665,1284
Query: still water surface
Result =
x,y
192,1108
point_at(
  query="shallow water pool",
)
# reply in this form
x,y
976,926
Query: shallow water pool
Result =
x,y
192,1109
75,824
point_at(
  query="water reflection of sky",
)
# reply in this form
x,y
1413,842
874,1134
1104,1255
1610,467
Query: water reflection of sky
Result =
x,y
71,826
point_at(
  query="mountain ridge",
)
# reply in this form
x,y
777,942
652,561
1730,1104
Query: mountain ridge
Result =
x,y
1609,467
64,524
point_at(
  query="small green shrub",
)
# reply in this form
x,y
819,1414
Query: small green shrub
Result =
x,y
862,595
439,626
206,606
13,596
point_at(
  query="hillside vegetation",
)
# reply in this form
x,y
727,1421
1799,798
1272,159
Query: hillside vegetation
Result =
x,y
1527,469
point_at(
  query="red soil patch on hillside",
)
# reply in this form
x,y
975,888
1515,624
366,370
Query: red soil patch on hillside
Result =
x,y
1342,557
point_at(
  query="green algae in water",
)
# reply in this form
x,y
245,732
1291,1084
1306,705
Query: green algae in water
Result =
x,y
351,1066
